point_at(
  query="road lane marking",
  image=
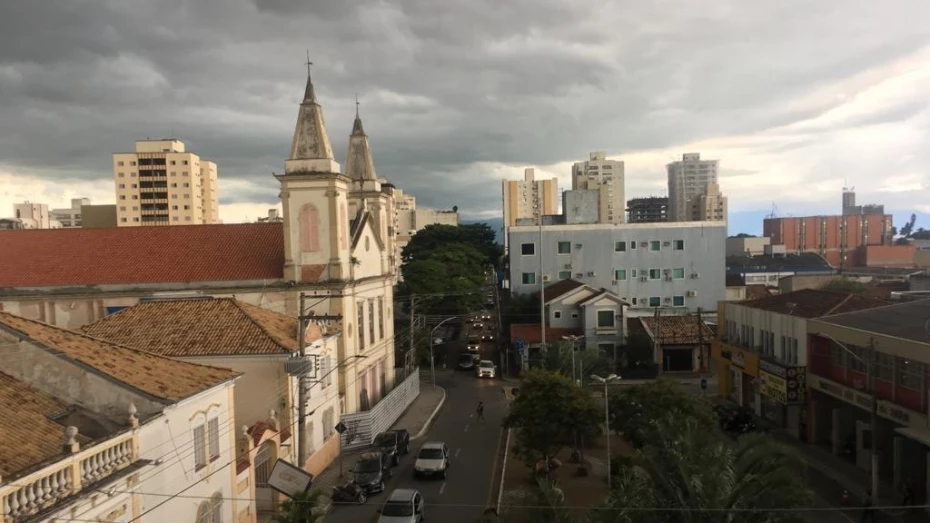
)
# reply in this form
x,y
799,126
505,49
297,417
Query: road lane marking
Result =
x,y
442,488
457,452
497,453
466,428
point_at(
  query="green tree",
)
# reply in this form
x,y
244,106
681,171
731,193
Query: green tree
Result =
x,y
845,285
637,411
302,508
699,477
547,413
478,236
638,350
455,270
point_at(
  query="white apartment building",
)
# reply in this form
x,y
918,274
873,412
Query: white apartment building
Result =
x,y
408,219
676,266
688,179
69,218
163,184
530,198
33,215
608,178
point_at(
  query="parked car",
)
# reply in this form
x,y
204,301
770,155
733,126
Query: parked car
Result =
x,y
432,460
403,506
393,443
468,360
349,492
486,369
371,472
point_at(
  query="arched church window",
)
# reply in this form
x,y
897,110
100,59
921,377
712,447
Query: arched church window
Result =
x,y
309,223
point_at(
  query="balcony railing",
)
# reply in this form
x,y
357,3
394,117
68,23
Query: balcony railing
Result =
x,y
44,488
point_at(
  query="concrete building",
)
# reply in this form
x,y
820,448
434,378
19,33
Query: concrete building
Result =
x,y
608,179
98,216
688,179
841,240
596,314
71,217
102,432
682,343
769,269
761,351
528,199
653,209
160,183
408,219
851,209
676,266
747,246
709,206
274,216
33,215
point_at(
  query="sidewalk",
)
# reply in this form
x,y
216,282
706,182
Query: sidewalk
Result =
x,y
416,419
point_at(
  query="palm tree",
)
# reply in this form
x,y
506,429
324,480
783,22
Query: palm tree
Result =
x,y
692,476
300,509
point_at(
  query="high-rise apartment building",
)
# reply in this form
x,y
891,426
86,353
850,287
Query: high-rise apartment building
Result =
x,y
163,184
709,206
687,179
606,177
530,198
653,209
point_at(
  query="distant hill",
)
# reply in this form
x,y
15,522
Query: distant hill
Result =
x,y
495,223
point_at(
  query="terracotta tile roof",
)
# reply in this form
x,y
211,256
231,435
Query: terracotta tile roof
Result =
x,y
126,255
814,303
163,378
203,327
676,330
560,288
530,333
756,291
31,436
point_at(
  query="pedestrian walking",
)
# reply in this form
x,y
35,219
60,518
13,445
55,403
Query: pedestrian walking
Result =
x,y
868,509
480,411
703,385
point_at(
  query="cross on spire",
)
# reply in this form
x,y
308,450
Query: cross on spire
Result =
x,y
356,105
309,63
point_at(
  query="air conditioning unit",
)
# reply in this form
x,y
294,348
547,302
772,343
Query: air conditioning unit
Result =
x,y
668,277
667,300
666,271
577,245
695,275
643,244
666,244
691,294
591,273
644,278
579,275
546,277
613,282
567,266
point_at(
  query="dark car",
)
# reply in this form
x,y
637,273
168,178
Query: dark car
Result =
x,y
371,472
468,360
393,443
487,336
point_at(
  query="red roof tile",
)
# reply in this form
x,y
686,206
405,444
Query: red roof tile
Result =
x,y
560,288
530,333
814,303
677,330
135,255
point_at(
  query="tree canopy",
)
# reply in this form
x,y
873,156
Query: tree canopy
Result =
x,y
637,411
299,509
846,285
479,236
453,273
547,412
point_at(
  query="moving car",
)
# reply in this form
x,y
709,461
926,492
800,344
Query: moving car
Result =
x,y
371,471
472,348
404,505
486,369
393,443
433,460
487,336
486,317
478,325
467,360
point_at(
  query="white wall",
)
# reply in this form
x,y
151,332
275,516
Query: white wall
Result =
x,y
792,327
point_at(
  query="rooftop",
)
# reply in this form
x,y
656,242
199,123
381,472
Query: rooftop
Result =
x,y
207,327
677,330
908,320
560,288
162,378
767,262
140,255
814,303
530,332
757,291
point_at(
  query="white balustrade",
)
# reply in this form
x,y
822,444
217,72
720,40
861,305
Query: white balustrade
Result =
x,y
46,490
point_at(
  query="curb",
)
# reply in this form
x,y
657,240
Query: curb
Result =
x,y
432,416
500,492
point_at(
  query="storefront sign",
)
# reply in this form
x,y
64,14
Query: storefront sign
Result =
x,y
864,401
785,385
774,387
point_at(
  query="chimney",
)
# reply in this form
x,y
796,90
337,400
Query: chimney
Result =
x,y
71,446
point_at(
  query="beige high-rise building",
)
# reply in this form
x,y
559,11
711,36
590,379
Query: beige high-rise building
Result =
x,y
688,179
530,198
163,184
710,206
607,177
33,215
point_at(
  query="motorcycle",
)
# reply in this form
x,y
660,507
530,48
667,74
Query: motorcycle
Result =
x,y
349,493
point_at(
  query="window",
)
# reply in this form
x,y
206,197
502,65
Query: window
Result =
x,y
135,219
174,186
605,319
122,186
361,325
528,249
620,274
135,196
122,220
186,184
619,246
655,245
909,373
120,164
632,245
633,273
655,274
184,162
885,365
574,315
678,245
564,248
121,175
213,432
174,207
678,301
187,207
381,317
200,447
655,301
678,273
529,278
556,314
371,321
564,275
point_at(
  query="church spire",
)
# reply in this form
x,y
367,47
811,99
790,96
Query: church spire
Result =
x,y
359,163
311,150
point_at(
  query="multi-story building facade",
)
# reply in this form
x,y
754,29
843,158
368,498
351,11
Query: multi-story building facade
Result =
x,y
528,199
160,183
769,269
608,179
408,219
688,179
653,209
71,217
675,266
33,215
840,239
761,351
709,206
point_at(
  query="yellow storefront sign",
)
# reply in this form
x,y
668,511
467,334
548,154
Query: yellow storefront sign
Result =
x,y
773,387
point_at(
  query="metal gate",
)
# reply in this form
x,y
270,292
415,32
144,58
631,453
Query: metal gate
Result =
x,y
264,462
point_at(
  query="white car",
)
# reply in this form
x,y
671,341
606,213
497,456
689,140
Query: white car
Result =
x,y
404,505
432,460
486,369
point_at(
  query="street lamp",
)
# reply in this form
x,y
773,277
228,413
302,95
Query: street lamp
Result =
x,y
872,370
432,365
573,338
613,378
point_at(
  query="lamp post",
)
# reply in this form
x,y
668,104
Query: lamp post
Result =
x,y
573,338
613,378
872,371
432,365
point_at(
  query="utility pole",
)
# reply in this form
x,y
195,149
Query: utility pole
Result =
x,y
411,351
657,347
873,368
542,286
302,386
700,326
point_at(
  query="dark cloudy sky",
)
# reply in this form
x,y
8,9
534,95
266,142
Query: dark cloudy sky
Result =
x,y
794,97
